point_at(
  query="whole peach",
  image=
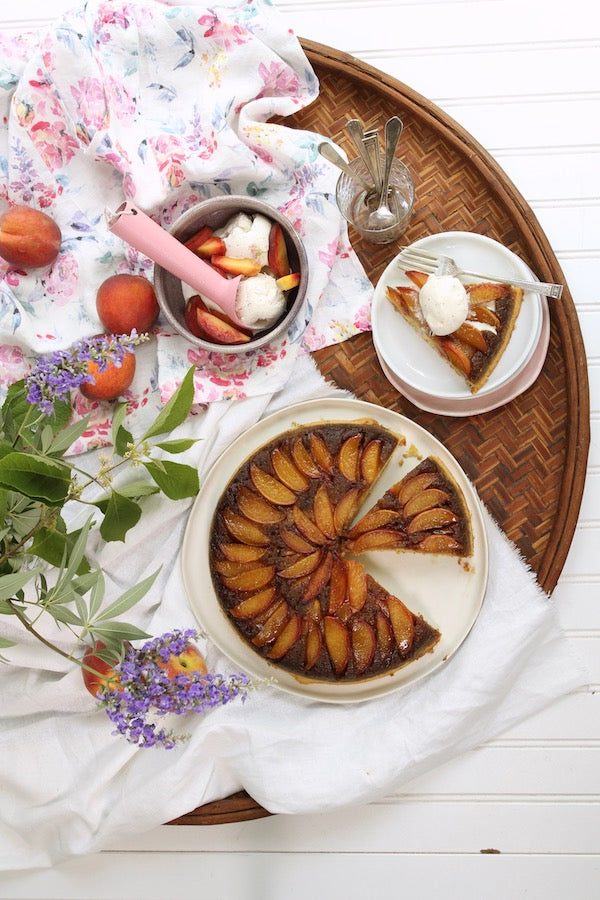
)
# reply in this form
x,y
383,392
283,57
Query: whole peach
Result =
x,y
112,382
125,302
103,676
28,237
189,661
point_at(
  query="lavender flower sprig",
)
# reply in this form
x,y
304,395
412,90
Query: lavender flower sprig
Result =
x,y
54,376
145,689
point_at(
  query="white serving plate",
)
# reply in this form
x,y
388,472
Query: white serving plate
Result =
x,y
475,404
413,360
447,594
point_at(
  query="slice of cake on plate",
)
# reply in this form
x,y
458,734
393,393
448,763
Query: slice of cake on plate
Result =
x,y
468,325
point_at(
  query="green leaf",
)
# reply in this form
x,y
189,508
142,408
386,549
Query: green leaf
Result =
x,y
21,418
118,631
128,599
54,545
123,439
10,584
5,448
175,480
86,582
40,479
4,642
121,515
64,614
46,435
96,596
118,418
65,587
176,409
67,436
177,446
132,489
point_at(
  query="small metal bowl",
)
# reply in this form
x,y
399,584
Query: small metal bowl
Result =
x,y
215,213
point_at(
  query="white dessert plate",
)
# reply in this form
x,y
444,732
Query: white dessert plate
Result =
x,y
418,364
449,595
474,404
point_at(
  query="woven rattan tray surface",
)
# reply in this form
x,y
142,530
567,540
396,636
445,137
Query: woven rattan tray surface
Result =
x,y
528,458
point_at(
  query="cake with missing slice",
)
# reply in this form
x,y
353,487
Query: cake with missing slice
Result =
x,y
282,546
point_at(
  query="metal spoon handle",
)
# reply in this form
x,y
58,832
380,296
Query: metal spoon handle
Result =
x,y
393,130
356,132
331,155
371,147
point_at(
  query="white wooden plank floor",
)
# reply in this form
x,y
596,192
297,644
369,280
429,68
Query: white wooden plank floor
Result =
x,y
523,76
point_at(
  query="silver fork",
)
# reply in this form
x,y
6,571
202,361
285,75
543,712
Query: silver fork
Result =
x,y
431,264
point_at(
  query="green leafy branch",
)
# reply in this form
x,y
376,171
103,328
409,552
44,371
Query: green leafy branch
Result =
x,y
43,566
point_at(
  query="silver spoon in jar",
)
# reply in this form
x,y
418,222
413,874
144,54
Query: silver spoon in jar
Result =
x,y
383,217
331,155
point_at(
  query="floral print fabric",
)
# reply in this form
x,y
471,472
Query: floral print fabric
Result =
x,y
165,106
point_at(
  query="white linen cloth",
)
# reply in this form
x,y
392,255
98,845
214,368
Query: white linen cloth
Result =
x,y
70,787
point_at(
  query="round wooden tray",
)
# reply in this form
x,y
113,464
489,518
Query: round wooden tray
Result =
x,y
528,458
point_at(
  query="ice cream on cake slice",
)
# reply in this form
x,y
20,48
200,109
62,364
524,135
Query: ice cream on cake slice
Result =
x,y
468,325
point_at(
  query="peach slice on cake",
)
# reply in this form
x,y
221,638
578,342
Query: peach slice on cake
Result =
x,y
287,471
301,567
255,508
364,645
243,530
304,460
319,579
321,453
273,490
250,580
242,552
254,605
349,457
287,637
337,641
323,512
313,645
273,625
307,527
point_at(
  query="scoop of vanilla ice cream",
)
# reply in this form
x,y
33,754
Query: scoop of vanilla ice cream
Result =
x,y
444,303
247,237
259,302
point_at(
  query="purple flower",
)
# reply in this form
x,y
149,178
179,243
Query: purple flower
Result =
x,y
54,376
146,690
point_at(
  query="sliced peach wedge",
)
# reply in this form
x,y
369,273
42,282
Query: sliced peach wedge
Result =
x,y
216,329
273,490
256,509
349,457
364,644
304,460
277,254
287,637
233,265
288,282
254,605
337,641
287,471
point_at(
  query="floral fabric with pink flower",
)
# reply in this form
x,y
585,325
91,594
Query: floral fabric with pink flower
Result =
x,y
165,106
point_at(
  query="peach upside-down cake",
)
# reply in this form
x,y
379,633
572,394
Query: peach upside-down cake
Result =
x,y
284,547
